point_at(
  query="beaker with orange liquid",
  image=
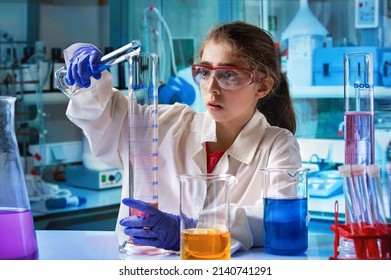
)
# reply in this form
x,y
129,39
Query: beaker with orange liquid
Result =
x,y
205,198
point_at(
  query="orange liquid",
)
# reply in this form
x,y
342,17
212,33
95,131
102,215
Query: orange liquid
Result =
x,y
205,244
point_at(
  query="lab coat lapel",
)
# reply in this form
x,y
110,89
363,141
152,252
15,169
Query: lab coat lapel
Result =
x,y
246,144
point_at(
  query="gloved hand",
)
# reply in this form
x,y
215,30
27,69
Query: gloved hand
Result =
x,y
155,228
177,89
84,63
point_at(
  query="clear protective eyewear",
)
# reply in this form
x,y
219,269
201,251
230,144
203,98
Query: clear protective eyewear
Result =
x,y
228,77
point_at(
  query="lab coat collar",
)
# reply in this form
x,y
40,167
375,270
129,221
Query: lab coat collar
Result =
x,y
245,145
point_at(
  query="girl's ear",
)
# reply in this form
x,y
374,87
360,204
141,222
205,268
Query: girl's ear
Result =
x,y
265,87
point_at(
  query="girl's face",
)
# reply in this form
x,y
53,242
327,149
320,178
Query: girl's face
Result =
x,y
236,106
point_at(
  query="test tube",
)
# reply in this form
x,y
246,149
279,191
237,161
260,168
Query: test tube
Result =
x,y
371,245
360,182
351,199
376,196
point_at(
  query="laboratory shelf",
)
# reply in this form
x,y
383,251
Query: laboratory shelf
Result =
x,y
333,92
47,98
296,92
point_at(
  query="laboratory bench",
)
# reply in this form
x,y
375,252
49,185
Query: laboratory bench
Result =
x,y
86,232
103,245
101,210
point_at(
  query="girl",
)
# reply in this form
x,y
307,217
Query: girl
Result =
x,y
249,124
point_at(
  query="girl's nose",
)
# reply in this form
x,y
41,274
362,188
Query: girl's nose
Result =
x,y
213,85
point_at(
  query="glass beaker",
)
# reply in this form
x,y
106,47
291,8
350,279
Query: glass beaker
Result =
x,y
18,239
143,138
204,211
285,214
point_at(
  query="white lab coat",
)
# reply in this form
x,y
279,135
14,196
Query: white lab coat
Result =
x,y
101,111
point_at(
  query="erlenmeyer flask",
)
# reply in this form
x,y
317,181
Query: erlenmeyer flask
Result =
x,y
18,240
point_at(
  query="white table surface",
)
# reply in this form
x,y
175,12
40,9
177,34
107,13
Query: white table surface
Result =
x,y
103,245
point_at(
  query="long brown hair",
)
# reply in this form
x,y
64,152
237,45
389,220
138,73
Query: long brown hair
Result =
x,y
255,47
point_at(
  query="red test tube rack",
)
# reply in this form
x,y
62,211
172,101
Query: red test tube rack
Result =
x,y
372,243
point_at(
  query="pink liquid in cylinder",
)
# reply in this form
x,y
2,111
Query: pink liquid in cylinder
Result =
x,y
18,240
359,138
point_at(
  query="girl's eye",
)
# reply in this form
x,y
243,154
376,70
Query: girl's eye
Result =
x,y
204,72
229,75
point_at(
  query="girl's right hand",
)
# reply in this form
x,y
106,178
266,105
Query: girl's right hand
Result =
x,y
85,62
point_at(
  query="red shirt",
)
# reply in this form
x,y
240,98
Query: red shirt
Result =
x,y
212,159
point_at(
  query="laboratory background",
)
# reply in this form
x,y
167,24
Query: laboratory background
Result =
x,y
310,37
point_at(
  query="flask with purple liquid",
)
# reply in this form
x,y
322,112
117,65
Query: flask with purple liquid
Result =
x,y
18,240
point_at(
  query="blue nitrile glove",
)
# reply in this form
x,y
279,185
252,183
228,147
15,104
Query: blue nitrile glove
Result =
x,y
156,228
84,63
177,89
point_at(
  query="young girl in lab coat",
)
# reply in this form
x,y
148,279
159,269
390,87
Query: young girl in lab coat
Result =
x,y
249,124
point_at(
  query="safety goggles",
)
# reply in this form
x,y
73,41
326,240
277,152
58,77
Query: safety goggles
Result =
x,y
228,77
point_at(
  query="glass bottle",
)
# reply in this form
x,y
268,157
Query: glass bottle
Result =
x,y
18,239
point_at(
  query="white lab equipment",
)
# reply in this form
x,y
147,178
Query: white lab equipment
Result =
x,y
304,34
94,173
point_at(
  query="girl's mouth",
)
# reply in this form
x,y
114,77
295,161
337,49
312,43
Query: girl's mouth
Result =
x,y
214,106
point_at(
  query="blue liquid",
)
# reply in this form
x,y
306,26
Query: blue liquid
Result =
x,y
285,225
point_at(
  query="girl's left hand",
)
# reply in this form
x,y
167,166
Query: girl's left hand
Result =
x,y
154,228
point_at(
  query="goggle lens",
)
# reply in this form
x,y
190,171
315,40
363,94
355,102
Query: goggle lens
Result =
x,y
228,77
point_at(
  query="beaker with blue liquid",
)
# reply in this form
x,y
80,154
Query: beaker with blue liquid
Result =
x,y
285,215
18,240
